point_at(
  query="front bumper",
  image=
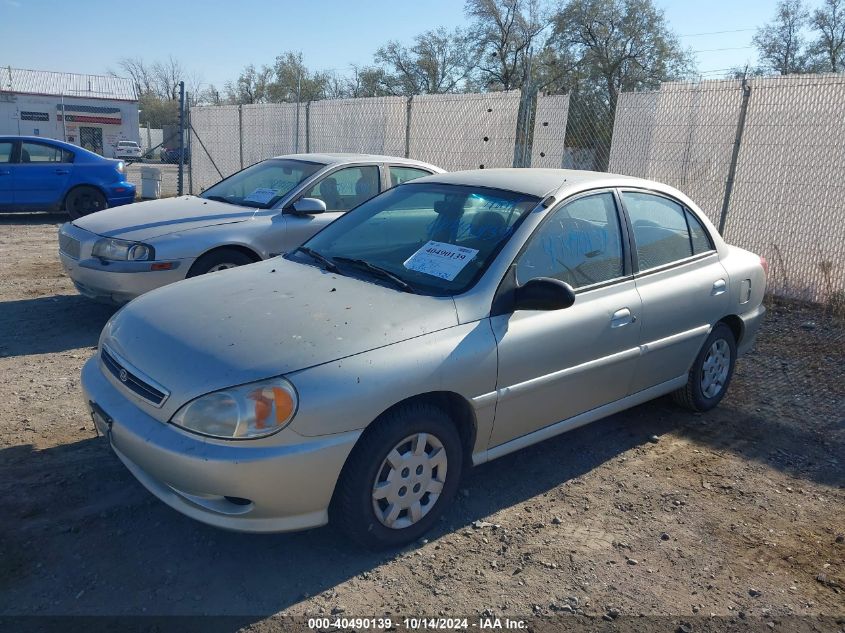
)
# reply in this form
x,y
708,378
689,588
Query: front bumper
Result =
x,y
119,282
113,282
288,480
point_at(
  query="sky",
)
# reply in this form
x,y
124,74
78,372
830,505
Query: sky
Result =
x,y
217,38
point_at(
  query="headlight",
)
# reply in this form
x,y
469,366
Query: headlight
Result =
x,y
120,166
245,412
121,250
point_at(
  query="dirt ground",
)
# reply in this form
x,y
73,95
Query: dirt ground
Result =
x,y
738,512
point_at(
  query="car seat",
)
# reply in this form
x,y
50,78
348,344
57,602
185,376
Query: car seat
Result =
x,y
25,156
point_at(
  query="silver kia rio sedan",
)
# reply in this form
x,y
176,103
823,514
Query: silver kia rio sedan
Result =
x,y
448,321
266,209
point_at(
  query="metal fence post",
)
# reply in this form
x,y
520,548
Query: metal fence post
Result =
x,y
307,127
190,154
181,176
740,127
408,108
241,134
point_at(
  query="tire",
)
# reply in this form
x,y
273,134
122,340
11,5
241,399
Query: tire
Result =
x,y
84,200
354,506
219,259
711,372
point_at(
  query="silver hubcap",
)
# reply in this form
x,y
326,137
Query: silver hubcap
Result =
x,y
714,372
223,266
409,481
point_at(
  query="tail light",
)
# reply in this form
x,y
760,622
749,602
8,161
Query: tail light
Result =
x,y
765,264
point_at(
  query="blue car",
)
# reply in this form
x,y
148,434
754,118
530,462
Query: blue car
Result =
x,y
39,174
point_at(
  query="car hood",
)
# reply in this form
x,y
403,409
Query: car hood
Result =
x,y
153,218
262,320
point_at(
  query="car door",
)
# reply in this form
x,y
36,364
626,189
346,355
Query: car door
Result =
x,y
340,190
6,174
41,175
681,281
556,364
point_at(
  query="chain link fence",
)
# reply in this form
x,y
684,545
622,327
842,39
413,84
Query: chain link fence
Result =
x,y
453,131
765,159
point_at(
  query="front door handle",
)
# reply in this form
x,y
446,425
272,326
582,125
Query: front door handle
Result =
x,y
62,171
4,172
622,317
719,287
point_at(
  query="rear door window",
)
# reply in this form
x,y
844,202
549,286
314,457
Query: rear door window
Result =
x,y
6,151
41,153
660,229
400,174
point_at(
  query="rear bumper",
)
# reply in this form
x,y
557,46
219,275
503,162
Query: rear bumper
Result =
x,y
282,483
751,322
120,193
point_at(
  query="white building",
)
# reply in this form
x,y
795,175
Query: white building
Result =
x,y
93,111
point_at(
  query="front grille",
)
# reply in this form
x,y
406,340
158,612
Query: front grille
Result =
x,y
129,378
69,245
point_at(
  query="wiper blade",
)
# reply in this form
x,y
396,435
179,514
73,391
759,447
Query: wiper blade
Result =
x,y
218,199
327,263
377,270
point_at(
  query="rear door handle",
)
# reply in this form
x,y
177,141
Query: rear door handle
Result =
x,y
622,317
4,172
719,287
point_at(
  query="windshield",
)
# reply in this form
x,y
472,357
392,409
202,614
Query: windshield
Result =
x,y
438,239
263,184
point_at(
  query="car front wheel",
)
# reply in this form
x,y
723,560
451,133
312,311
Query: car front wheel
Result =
x,y
221,259
711,372
400,477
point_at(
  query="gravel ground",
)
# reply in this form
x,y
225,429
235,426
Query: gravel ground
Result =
x,y
656,511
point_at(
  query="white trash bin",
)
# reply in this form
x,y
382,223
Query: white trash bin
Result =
x,y
150,183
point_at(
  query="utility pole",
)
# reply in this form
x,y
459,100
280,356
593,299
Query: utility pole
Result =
x,y
64,124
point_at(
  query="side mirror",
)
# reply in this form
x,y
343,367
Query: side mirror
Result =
x,y
308,206
543,293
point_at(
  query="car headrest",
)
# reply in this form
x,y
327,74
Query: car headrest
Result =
x,y
328,187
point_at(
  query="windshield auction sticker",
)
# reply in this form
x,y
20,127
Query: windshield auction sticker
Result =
x,y
261,195
440,259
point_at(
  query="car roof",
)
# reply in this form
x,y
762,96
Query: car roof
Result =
x,y
337,158
532,181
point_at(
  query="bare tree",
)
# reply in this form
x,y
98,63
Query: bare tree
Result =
x,y
506,32
140,74
829,22
439,61
250,86
780,43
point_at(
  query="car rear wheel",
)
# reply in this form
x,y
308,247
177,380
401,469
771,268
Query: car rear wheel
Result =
x,y
221,259
400,477
84,200
711,372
